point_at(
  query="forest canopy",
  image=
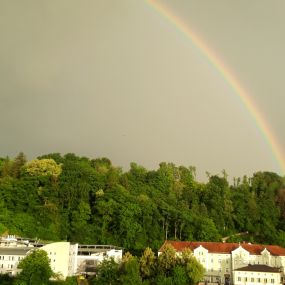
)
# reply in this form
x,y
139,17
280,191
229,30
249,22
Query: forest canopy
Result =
x,y
67,197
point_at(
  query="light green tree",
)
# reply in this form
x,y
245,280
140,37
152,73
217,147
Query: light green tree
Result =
x,y
107,273
148,263
167,260
130,270
195,270
43,167
36,269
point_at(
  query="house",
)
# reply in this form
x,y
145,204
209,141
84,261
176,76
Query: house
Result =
x,y
257,274
221,260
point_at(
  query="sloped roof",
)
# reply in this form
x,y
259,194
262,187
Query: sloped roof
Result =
x,y
14,250
258,268
226,248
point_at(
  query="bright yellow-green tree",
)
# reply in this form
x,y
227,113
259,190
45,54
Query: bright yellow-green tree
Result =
x,y
43,167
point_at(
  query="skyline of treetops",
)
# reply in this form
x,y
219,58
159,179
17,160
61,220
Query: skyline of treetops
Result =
x,y
79,199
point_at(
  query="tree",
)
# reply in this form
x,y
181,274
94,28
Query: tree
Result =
x,y
180,275
130,270
35,269
18,163
195,270
79,221
43,167
5,168
148,263
180,270
107,273
167,260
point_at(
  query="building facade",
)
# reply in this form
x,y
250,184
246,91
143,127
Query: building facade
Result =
x,y
221,260
256,274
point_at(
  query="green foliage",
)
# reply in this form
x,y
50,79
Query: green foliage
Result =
x,y
91,201
6,279
35,269
148,263
43,167
107,273
167,260
195,270
130,271
68,281
173,269
180,275
17,165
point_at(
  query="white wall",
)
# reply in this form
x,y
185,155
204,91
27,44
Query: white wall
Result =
x,y
58,253
256,278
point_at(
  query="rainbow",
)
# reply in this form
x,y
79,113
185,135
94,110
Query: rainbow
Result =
x,y
229,77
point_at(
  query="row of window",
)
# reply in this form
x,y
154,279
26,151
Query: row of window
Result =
x,y
9,266
227,261
10,258
258,280
220,270
212,260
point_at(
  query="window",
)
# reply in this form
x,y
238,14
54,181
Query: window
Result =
x,y
258,280
11,265
251,279
239,279
2,265
245,279
265,280
212,260
272,281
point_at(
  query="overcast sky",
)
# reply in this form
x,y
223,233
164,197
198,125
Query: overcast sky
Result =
x,y
114,78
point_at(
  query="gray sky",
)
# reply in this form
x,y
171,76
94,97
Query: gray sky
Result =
x,y
116,79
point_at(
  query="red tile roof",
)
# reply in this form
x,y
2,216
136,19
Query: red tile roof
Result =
x,y
220,247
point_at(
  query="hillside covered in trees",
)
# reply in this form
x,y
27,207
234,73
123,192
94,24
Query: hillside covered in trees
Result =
x,y
91,201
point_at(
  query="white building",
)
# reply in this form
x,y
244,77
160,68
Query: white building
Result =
x,y
257,274
11,252
89,256
221,260
65,258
